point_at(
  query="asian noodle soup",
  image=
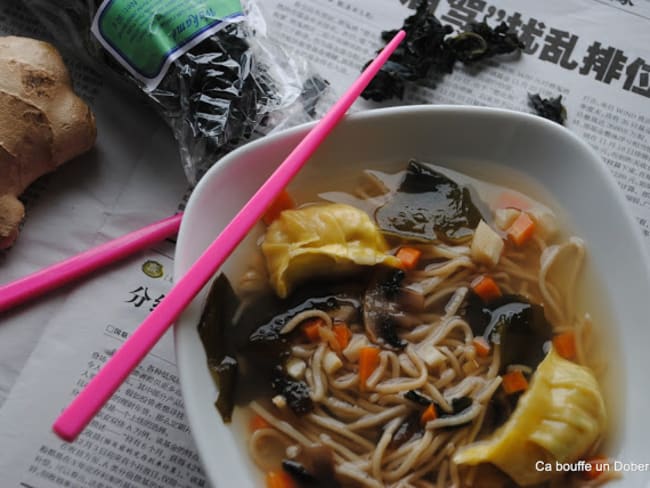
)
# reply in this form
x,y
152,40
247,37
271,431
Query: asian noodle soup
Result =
x,y
419,331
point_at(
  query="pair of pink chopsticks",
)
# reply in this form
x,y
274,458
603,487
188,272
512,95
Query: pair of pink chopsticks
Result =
x,y
84,407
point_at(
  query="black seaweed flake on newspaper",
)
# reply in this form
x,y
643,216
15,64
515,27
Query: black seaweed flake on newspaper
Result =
x,y
430,51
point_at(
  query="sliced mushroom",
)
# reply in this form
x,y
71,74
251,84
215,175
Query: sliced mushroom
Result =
x,y
381,313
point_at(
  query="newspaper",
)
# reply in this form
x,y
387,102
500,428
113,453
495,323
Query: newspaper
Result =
x,y
594,53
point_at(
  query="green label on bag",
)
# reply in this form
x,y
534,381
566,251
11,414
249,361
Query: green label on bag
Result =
x,y
147,35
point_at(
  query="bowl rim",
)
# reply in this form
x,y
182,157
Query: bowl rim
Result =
x,y
362,117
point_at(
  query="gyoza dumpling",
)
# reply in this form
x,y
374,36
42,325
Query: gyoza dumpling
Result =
x,y
320,240
559,418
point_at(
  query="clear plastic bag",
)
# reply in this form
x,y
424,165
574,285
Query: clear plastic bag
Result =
x,y
231,87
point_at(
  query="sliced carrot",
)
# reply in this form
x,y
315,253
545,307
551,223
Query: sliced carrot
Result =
x,y
482,346
311,328
509,199
282,202
597,466
368,362
565,344
521,229
486,288
258,422
429,414
409,256
343,335
514,381
279,479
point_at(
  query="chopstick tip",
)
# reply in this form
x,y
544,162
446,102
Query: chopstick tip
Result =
x,y
64,432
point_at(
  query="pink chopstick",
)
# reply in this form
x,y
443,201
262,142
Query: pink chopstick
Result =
x,y
84,407
59,274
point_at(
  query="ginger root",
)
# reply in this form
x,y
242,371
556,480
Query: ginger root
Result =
x,y
43,123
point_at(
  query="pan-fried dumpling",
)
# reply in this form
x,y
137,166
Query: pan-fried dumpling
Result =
x,y
559,418
321,240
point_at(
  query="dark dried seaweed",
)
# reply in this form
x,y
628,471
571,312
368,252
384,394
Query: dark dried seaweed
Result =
x,y
422,54
513,322
299,473
217,315
549,108
413,427
418,398
428,53
314,468
295,392
482,41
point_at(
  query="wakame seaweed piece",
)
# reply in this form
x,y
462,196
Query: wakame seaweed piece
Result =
x,y
311,92
417,398
460,404
429,52
299,473
423,54
389,82
549,108
226,373
429,206
521,329
306,479
258,344
519,326
476,313
481,41
500,407
318,468
295,392
265,330
217,315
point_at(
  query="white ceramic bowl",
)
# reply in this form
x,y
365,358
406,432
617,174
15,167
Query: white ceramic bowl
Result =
x,y
469,139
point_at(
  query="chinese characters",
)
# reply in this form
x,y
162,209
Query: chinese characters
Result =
x,y
606,64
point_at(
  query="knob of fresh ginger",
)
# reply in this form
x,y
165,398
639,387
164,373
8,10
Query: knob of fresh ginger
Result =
x,y
43,123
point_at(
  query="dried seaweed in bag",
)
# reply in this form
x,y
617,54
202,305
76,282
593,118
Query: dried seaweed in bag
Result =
x,y
229,88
